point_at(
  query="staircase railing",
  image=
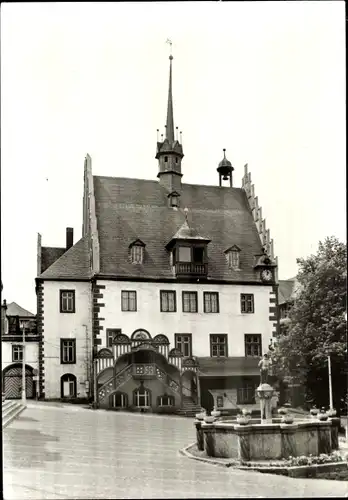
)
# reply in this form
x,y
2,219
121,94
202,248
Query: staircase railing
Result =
x,y
108,386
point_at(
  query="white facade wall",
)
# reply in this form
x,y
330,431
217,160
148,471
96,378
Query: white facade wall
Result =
x,y
230,320
59,325
31,354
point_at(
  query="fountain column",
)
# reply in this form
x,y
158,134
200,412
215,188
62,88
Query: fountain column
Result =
x,y
265,393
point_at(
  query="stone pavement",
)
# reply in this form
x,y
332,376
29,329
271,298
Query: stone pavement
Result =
x,y
69,452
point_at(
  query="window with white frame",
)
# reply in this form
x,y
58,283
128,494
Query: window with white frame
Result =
x,y
119,400
17,353
189,302
165,400
141,398
168,301
218,345
128,301
211,302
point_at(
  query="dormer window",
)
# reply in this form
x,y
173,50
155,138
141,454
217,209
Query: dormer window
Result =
x,y
184,254
173,199
197,255
232,255
189,252
137,252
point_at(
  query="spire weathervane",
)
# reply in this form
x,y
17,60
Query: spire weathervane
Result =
x,y
170,43
170,119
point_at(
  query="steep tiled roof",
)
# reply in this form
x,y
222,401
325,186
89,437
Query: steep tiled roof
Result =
x,y
286,289
187,233
49,255
14,309
128,209
74,263
220,367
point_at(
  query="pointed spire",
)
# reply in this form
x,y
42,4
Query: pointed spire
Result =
x,y
170,118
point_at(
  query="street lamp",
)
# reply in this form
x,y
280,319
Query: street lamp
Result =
x,y
24,398
345,317
330,381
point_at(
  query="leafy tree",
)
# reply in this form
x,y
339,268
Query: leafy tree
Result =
x,y
317,326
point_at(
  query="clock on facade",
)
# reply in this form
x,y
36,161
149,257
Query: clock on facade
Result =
x,y
266,275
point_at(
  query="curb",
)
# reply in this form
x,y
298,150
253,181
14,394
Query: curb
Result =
x,y
291,472
211,461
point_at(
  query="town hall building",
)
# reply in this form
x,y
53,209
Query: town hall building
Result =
x,y
168,300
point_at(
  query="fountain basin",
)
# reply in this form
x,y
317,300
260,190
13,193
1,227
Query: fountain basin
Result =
x,y
266,441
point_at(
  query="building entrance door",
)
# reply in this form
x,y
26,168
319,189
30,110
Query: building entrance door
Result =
x,y
13,382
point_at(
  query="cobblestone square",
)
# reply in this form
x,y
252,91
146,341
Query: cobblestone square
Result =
x,y
55,451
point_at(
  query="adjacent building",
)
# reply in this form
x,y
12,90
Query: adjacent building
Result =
x,y
168,300
18,329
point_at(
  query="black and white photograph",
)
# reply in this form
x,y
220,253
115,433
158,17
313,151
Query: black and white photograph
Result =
x,y
174,250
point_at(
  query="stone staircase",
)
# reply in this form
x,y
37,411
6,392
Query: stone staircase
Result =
x,y
189,407
10,410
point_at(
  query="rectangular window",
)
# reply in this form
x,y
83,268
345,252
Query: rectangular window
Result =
x,y
137,253
247,302
198,254
252,344
184,254
67,301
246,395
184,343
211,302
168,301
68,351
165,401
128,301
233,259
189,302
17,353
110,335
218,345
13,325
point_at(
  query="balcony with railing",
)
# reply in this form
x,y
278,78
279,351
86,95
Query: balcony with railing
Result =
x,y
191,269
14,327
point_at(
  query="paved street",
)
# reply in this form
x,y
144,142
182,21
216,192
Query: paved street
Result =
x,y
56,452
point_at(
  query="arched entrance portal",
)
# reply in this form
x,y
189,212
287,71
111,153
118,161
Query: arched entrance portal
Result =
x,y
12,381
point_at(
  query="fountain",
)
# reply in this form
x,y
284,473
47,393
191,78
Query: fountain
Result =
x,y
247,439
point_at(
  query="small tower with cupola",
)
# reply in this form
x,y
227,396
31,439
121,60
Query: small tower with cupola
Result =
x,y
225,170
169,149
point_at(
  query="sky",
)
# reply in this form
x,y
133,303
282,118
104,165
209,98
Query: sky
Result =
x,y
265,80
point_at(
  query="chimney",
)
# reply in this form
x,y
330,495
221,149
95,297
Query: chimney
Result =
x,y
69,237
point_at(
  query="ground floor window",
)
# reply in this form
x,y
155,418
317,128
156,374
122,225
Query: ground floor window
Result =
x,y
246,395
68,386
119,400
165,400
141,397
